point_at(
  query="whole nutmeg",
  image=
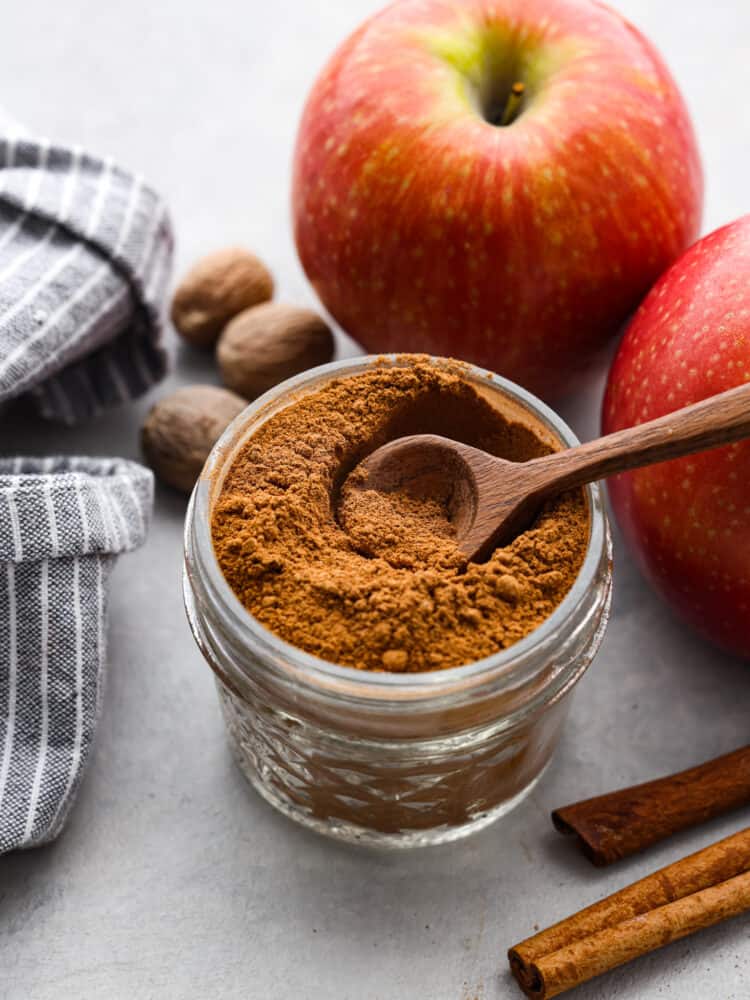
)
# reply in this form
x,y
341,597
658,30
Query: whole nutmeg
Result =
x,y
181,429
265,345
217,288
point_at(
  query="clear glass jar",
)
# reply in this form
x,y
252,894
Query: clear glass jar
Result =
x,y
395,760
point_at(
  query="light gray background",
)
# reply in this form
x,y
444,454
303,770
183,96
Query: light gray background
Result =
x,y
173,879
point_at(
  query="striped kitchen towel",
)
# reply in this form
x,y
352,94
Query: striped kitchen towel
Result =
x,y
85,255
63,521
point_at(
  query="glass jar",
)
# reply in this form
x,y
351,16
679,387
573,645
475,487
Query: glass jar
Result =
x,y
384,759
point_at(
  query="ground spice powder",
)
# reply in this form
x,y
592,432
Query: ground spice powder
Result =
x,y
277,528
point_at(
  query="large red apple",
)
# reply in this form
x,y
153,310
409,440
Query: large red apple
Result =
x,y
425,224
688,521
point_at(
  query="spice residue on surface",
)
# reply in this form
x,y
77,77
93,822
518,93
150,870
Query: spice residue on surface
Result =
x,y
419,606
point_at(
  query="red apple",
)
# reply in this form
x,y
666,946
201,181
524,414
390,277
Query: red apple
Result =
x,y
425,224
688,521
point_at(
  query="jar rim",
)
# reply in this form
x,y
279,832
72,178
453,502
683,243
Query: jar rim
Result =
x,y
507,668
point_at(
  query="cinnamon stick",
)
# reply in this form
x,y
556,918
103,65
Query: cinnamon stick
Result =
x,y
696,892
613,826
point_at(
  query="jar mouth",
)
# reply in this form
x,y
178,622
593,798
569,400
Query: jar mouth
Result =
x,y
507,668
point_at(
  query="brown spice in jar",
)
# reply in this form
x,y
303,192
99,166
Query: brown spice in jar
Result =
x,y
417,606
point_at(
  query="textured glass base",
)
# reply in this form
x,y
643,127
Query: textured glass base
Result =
x,y
352,834
385,794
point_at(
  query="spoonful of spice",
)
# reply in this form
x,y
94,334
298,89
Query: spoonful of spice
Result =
x,y
491,500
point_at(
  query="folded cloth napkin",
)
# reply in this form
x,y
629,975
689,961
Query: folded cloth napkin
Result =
x,y
85,254
63,521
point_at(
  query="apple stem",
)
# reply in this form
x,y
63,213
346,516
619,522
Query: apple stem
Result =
x,y
513,103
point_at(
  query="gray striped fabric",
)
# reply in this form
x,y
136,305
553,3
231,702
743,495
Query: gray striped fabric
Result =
x,y
62,523
85,255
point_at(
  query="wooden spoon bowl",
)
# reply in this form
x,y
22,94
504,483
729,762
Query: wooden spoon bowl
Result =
x,y
492,500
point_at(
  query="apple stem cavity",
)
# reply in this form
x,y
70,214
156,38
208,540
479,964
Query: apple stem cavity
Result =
x,y
513,104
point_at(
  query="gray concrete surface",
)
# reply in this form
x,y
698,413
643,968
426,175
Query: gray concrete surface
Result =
x,y
173,879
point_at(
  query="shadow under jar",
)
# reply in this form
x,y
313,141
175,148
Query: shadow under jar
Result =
x,y
392,760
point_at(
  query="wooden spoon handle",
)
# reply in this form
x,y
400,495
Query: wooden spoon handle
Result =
x,y
712,422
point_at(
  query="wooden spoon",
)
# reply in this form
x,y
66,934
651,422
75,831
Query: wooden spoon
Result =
x,y
494,500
